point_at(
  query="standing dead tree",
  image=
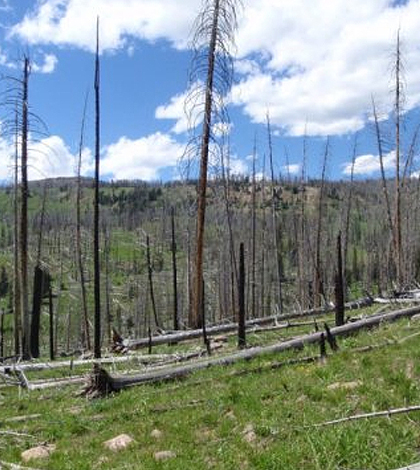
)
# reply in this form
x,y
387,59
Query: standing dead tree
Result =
x,y
211,78
85,322
16,277
397,112
318,284
276,234
23,239
96,262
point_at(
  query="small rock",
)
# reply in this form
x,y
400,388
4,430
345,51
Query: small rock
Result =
x,y
249,434
164,455
345,385
39,452
409,370
118,443
230,415
156,434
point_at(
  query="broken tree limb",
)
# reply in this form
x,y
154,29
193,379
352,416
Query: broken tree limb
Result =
x,y
16,419
109,383
13,466
15,434
375,414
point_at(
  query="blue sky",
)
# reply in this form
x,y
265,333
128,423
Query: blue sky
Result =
x,y
313,65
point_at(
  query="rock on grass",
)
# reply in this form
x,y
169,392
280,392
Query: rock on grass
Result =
x,y
119,442
164,455
39,452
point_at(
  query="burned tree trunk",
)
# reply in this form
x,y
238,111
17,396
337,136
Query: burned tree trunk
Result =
x,y
241,295
339,286
24,214
174,271
41,289
150,277
96,261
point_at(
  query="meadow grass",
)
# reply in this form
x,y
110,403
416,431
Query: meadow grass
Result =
x,y
214,419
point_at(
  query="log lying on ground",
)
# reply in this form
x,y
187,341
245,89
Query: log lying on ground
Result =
x,y
108,383
38,366
226,328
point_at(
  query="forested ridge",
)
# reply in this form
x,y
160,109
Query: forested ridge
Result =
x,y
147,230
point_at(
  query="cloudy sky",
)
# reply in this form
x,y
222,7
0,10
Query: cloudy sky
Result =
x,y
313,65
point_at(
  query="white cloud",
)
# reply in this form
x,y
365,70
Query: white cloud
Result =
x,y
142,158
320,61
47,158
51,158
369,164
238,167
314,65
73,22
5,60
175,110
48,65
126,159
292,169
6,160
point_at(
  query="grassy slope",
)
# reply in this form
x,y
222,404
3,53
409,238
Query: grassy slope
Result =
x,y
205,418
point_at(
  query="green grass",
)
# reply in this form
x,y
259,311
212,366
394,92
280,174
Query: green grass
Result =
x,y
209,418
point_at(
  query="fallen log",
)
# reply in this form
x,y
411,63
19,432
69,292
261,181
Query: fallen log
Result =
x,y
250,324
101,383
39,366
51,383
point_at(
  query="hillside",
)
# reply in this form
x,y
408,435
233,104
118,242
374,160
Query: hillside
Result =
x,y
306,228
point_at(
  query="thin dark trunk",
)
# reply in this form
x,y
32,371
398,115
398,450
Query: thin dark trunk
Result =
x,y
347,219
24,216
174,271
17,307
2,334
318,288
86,342
241,296
96,261
302,234
398,245
51,312
263,238
107,288
383,177
150,275
253,235
38,288
339,287
276,235
36,310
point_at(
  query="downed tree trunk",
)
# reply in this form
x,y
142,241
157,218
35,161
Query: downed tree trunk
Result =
x,y
218,329
38,366
108,383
